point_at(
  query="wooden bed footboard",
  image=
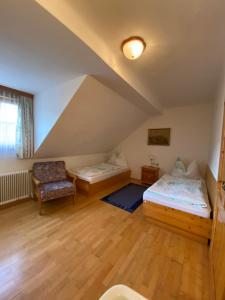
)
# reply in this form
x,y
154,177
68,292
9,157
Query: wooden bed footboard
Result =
x,y
180,221
88,188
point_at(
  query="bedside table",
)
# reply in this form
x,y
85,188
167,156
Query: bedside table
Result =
x,y
149,175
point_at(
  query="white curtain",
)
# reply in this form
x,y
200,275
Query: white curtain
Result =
x,y
16,125
25,128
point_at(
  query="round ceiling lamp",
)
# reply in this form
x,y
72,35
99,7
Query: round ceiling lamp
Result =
x,y
133,47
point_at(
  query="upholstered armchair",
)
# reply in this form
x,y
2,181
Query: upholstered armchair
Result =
x,y
51,180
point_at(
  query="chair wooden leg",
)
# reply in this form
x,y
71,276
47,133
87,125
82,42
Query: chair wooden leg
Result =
x,y
40,207
35,197
74,199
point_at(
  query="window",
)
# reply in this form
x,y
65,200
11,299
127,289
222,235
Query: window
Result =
x,y
16,125
8,123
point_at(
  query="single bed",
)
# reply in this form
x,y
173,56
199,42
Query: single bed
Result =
x,y
180,203
92,179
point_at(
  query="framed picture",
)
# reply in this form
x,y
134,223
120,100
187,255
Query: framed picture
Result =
x,y
159,137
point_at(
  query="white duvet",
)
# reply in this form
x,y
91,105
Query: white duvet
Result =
x,y
188,191
95,170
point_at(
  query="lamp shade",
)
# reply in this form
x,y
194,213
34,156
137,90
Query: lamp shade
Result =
x,y
133,47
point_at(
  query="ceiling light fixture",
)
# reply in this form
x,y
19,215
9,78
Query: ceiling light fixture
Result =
x,y
133,47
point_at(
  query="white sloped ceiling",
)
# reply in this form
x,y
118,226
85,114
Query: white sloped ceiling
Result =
x,y
94,121
50,104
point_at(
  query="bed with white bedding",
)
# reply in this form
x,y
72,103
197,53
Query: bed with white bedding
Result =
x,y
91,179
99,172
181,203
188,195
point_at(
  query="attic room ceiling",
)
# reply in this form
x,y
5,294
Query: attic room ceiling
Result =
x,y
185,42
37,52
95,120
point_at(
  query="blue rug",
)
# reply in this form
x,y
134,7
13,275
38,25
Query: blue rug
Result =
x,y
128,198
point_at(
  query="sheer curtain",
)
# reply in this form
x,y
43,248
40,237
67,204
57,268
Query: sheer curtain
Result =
x,y
16,125
25,128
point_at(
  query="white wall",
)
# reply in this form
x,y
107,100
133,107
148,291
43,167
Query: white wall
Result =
x,y
48,106
190,127
216,131
9,165
95,121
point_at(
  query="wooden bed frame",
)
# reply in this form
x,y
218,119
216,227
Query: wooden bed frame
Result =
x,y
88,188
184,223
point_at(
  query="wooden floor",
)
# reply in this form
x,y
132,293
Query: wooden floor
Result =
x,y
78,252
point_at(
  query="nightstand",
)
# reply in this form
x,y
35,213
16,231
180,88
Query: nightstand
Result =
x,y
149,175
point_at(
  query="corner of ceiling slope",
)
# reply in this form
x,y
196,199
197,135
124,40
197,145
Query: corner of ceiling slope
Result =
x,y
94,119
66,15
49,106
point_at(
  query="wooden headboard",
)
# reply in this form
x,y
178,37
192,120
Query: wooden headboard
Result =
x,y
211,186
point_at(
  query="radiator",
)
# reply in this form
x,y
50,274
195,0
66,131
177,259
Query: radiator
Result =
x,y
15,186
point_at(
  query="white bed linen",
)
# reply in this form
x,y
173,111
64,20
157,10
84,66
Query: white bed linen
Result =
x,y
182,194
98,172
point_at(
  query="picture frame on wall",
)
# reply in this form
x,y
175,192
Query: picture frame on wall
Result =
x,y
159,136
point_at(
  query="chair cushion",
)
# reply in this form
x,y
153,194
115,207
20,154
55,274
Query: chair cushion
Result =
x,y
53,190
49,171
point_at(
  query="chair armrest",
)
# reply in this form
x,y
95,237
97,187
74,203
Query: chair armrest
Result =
x,y
36,181
71,175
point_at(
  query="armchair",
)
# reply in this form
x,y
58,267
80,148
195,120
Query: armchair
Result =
x,y
51,180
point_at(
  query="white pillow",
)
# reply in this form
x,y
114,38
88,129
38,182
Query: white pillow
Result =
x,y
112,158
179,164
193,171
118,159
179,169
177,173
121,160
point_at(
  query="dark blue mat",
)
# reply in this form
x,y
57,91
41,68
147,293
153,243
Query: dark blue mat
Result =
x,y
128,198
